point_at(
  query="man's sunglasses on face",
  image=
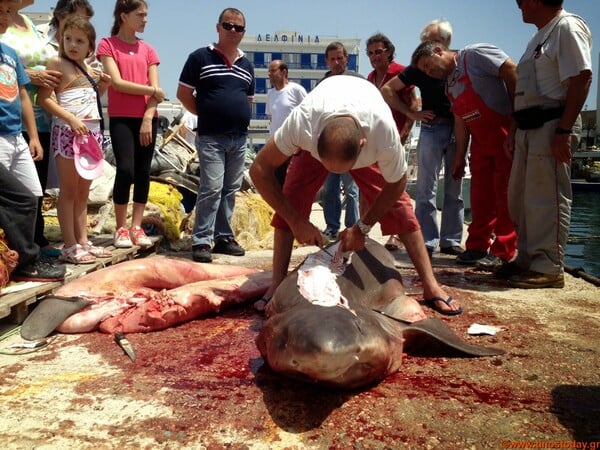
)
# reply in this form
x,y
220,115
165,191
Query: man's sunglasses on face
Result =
x,y
377,51
229,26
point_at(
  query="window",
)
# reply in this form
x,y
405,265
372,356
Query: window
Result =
x,y
261,86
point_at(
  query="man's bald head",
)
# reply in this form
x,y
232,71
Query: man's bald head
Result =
x,y
339,144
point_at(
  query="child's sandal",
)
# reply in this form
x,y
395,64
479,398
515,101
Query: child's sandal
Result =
x,y
75,254
97,251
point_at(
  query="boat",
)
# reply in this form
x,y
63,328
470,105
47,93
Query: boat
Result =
x,y
585,171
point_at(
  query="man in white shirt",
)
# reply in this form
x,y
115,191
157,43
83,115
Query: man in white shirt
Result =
x,y
553,81
189,127
281,99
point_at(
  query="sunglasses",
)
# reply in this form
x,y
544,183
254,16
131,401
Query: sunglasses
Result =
x,y
230,26
377,51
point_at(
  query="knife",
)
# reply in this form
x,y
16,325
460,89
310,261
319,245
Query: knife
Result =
x,y
125,345
338,261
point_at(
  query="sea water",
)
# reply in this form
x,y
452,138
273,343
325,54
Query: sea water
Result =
x,y
583,246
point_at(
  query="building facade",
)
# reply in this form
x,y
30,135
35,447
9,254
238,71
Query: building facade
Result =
x,y
304,55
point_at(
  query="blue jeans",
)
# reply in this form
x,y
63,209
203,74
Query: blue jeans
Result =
x,y
332,205
222,159
437,145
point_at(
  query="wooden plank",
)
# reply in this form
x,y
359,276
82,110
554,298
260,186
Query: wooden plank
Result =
x,y
22,294
16,298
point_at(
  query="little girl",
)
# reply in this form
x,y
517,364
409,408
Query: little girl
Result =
x,y
77,113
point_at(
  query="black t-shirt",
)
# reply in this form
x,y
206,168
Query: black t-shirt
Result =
x,y
433,91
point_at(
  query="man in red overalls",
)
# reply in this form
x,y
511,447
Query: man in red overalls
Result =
x,y
480,82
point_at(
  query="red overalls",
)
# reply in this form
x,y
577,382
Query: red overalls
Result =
x,y
490,170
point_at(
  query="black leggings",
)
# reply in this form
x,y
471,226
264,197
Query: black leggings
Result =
x,y
133,160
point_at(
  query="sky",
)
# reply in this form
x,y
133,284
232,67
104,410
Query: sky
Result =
x,y
177,27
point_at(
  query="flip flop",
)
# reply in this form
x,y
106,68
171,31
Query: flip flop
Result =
x,y
50,313
432,303
392,244
22,348
261,304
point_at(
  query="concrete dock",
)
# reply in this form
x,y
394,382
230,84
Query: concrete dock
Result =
x,y
203,385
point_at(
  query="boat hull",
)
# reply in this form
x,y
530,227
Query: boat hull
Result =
x,y
582,185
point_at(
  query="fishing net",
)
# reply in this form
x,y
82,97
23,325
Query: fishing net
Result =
x,y
167,200
251,221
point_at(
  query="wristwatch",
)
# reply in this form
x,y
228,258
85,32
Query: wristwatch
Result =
x,y
363,227
560,130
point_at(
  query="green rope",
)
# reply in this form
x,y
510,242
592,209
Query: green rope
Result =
x,y
10,332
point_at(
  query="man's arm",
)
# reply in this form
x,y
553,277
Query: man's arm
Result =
x,y
577,92
508,72
352,238
462,135
35,148
186,96
410,98
262,173
391,91
44,77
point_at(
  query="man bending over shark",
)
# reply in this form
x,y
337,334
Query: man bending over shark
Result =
x,y
343,125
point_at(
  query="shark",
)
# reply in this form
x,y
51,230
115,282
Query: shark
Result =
x,y
348,325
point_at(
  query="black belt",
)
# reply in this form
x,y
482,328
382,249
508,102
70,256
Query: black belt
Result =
x,y
439,120
536,116
442,120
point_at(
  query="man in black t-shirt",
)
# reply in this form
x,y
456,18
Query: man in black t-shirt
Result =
x,y
436,146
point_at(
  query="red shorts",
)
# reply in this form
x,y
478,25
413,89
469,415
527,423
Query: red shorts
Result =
x,y
305,175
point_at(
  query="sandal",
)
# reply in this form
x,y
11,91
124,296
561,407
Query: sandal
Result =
x,y
433,304
393,243
75,254
97,251
261,304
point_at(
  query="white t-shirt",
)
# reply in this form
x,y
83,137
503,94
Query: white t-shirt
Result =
x,y
190,122
344,95
565,54
281,102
